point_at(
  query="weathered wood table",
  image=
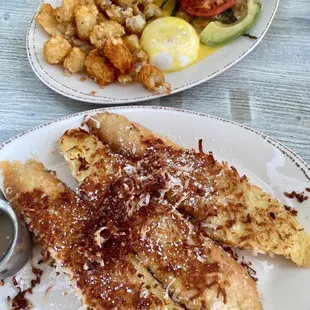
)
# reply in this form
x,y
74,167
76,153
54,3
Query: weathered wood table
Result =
x,y
269,90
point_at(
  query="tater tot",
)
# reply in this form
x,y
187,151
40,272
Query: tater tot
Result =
x,y
56,49
135,24
151,10
119,55
132,42
153,79
75,61
46,18
100,69
86,19
106,30
103,4
119,14
65,12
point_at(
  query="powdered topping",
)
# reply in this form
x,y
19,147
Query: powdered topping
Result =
x,y
136,210
66,226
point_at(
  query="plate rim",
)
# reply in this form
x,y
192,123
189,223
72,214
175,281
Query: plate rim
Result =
x,y
291,155
114,101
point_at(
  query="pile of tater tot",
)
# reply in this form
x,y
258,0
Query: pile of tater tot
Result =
x,y
102,39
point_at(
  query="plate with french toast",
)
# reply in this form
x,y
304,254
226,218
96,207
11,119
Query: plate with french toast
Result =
x,y
157,208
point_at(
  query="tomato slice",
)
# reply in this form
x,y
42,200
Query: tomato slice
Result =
x,y
206,8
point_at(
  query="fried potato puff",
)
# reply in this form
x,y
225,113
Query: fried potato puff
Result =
x,y
100,69
106,30
46,18
103,4
151,10
65,12
119,14
153,79
135,24
75,61
119,55
56,49
86,19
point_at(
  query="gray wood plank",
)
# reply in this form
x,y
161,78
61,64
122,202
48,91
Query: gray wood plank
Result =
x,y
269,90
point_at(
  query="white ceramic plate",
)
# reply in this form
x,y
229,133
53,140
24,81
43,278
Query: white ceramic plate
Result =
x,y
204,70
266,162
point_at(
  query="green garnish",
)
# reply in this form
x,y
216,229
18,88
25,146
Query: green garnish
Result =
x,y
163,4
175,8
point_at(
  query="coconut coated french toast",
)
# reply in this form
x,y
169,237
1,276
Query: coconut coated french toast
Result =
x,y
221,202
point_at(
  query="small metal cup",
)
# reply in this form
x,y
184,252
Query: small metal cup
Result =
x,y
20,249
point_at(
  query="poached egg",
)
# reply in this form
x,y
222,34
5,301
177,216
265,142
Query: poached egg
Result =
x,y
171,43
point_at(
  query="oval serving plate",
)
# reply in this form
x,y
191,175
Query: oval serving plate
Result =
x,y
265,161
202,71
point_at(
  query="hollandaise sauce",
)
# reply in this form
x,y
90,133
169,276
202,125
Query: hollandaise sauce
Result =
x,y
205,50
171,43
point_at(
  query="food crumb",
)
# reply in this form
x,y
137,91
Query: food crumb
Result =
x,y
93,93
1,282
307,189
46,293
250,270
83,79
299,196
250,36
291,210
67,73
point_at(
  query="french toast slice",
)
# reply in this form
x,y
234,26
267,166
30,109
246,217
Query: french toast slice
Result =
x,y
197,273
129,137
108,277
228,207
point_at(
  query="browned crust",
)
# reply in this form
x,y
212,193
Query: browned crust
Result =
x,y
100,69
108,277
127,138
242,206
120,56
169,240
